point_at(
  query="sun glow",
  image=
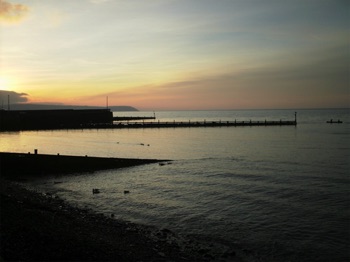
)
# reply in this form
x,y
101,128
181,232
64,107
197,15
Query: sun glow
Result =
x,y
5,83
175,55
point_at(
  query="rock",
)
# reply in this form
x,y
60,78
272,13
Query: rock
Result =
x,y
95,191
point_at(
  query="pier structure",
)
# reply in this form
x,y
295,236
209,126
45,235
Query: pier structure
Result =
x,y
124,122
219,123
103,119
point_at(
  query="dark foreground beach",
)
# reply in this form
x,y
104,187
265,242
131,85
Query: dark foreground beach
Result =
x,y
41,227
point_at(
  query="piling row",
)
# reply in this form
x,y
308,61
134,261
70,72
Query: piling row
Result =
x,y
175,124
159,124
154,124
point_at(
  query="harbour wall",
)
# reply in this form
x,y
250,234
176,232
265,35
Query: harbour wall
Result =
x,y
52,119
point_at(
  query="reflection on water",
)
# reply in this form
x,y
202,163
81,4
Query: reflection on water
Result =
x,y
265,208
280,192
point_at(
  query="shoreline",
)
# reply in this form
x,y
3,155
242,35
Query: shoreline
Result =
x,y
38,227
42,227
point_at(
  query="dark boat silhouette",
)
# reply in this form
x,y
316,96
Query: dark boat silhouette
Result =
x,y
334,122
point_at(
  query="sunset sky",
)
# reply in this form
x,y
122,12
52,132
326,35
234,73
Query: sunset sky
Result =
x,y
177,54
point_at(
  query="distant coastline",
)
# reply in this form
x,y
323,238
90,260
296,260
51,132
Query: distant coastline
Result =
x,y
23,106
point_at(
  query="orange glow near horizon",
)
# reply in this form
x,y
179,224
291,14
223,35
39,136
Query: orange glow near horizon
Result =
x,y
177,55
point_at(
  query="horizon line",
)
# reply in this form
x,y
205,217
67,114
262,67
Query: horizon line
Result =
x,y
154,109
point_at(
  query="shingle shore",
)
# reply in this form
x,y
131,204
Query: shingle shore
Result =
x,y
35,227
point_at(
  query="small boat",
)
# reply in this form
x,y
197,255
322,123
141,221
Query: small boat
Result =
x,y
334,122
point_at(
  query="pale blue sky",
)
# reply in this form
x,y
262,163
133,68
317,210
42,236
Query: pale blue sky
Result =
x,y
179,54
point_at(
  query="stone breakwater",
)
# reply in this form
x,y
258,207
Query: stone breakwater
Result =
x,y
20,164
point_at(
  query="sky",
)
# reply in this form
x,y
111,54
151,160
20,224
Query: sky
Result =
x,y
177,54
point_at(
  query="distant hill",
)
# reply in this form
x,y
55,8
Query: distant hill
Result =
x,y
122,108
51,106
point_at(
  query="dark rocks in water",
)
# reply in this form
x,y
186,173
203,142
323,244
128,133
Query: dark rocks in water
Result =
x,y
36,229
126,191
229,253
163,164
95,191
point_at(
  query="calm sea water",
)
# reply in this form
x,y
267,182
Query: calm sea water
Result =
x,y
279,193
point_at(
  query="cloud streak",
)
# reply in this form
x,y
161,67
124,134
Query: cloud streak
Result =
x,y
14,97
10,13
182,55
317,78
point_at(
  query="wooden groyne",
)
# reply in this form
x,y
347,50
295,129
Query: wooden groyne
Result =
x,y
20,165
189,124
161,124
174,124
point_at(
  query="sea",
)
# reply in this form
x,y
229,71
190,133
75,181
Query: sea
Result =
x,y
274,193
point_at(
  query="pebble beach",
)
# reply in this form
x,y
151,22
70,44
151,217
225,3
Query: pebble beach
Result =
x,y
37,226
